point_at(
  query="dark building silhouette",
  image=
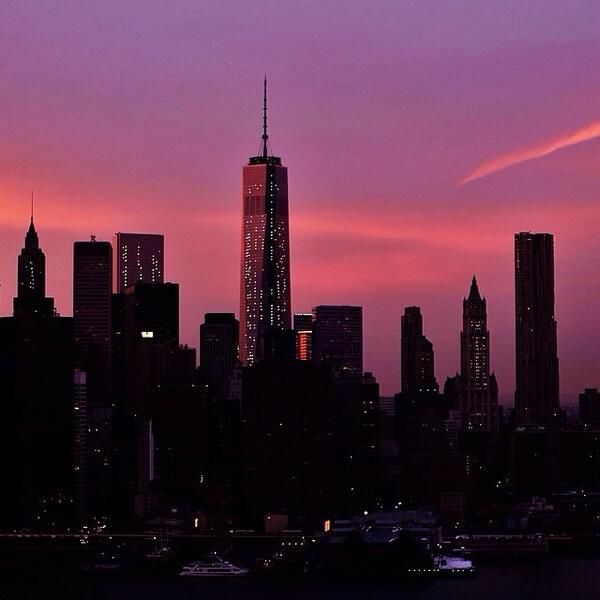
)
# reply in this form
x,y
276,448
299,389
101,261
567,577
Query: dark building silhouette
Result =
x,y
31,277
265,269
589,408
416,355
92,316
286,442
181,431
219,336
37,433
337,340
139,257
337,343
146,326
475,390
92,325
537,388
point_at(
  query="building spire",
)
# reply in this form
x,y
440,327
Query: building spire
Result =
x,y
31,238
474,294
265,136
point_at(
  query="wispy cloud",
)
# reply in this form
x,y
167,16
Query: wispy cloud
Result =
x,y
588,132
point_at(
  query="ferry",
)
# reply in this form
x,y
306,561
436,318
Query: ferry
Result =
x,y
453,566
212,567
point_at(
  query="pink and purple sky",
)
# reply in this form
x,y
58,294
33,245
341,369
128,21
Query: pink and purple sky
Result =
x,y
138,116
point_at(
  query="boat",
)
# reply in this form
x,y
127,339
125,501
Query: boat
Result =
x,y
212,566
453,566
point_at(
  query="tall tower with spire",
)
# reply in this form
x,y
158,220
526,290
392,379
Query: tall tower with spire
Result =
x,y
479,397
265,266
31,276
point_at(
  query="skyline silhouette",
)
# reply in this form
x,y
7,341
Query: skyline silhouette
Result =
x,y
134,132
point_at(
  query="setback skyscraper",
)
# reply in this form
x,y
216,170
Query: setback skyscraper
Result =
x,y
139,257
479,397
37,433
416,355
536,395
31,276
265,268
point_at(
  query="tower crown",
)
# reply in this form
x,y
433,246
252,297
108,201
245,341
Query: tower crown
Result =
x,y
31,237
264,157
474,295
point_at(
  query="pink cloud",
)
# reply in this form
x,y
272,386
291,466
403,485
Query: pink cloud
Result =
x,y
584,134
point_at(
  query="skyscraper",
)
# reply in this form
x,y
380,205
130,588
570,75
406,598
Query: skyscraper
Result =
x,y
92,310
479,402
31,276
265,268
337,340
218,350
139,257
36,380
416,355
92,326
537,391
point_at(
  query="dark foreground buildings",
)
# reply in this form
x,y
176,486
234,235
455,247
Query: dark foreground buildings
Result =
x,y
37,435
108,419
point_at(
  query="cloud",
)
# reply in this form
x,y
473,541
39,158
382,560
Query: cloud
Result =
x,y
584,134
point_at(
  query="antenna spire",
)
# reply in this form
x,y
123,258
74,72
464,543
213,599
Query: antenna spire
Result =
x,y
32,207
265,136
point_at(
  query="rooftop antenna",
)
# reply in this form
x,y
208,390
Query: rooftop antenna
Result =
x,y
265,136
32,206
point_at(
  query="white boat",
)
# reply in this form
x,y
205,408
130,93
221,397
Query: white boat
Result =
x,y
212,567
452,566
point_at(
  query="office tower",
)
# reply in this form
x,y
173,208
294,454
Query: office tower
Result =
x,y
92,324
337,339
589,408
36,378
265,268
219,336
139,257
536,395
479,402
303,331
417,359
92,316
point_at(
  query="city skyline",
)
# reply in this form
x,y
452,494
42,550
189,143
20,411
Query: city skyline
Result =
x,y
345,217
